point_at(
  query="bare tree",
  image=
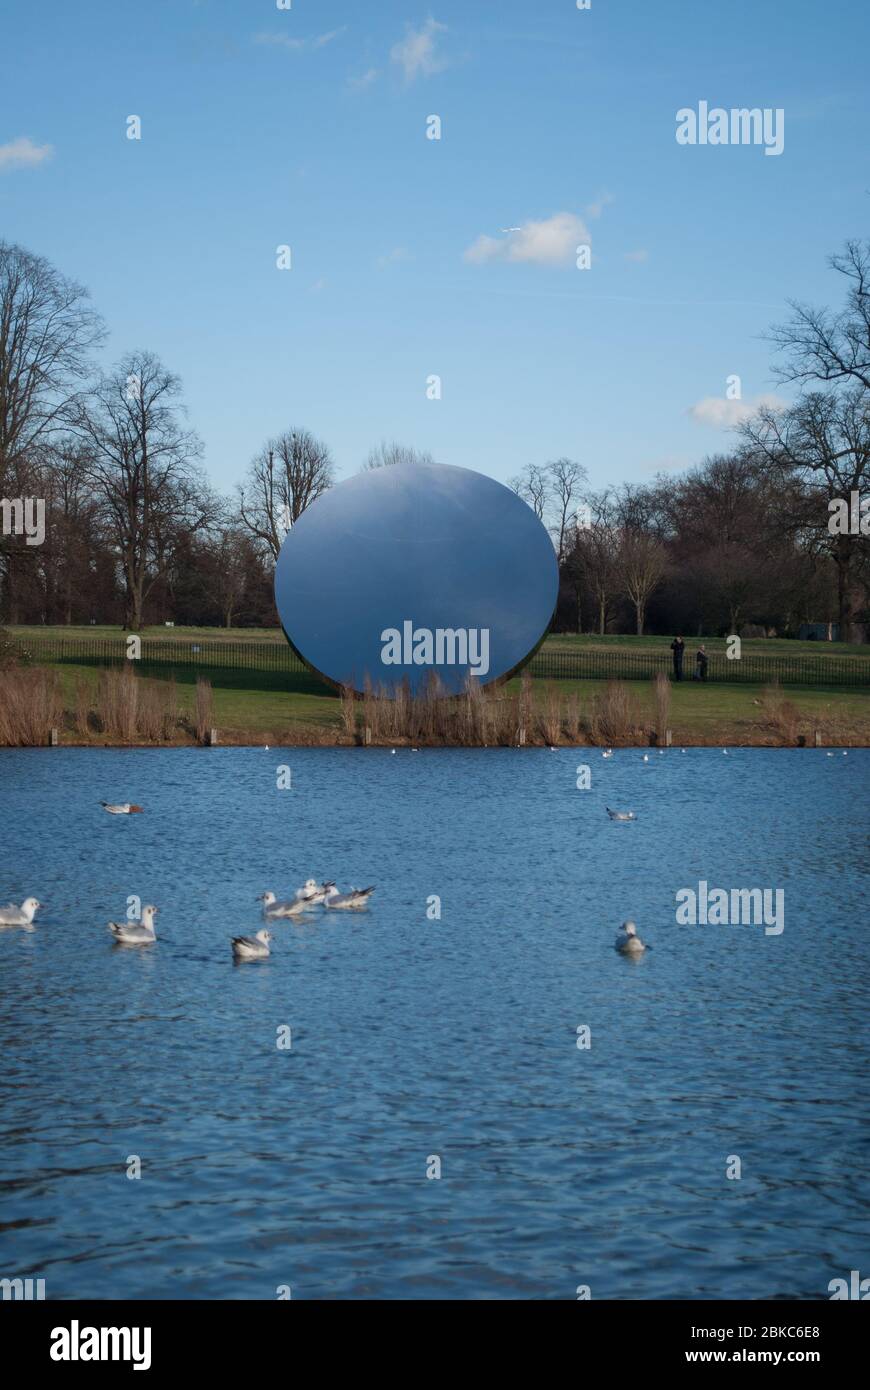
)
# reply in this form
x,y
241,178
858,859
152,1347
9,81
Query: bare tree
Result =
x,y
236,557
821,445
385,455
533,486
74,533
567,481
47,331
553,490
821,346
593,559
287,475
641,563
142,470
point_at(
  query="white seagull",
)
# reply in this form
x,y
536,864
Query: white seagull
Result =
x,y
140,933
309,895
628,943
121,808
252,947
608,753
357,897
12,916
621,815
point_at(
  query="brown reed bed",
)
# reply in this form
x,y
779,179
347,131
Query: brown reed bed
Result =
x,y
539,714
662,705
31,704
779,716
614,716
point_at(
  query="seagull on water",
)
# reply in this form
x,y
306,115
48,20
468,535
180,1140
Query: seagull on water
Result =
x,y
608,753
646,757
120,808
620,815
140,933
357,897
12,916
289,907
628,943
252,947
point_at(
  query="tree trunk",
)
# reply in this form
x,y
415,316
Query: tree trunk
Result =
x,y
844,597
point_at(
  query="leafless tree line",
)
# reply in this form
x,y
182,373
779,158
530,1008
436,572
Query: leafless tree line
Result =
x,y
136,533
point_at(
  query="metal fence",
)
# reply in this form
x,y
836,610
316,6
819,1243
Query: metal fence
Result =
x,y
624,664
276,659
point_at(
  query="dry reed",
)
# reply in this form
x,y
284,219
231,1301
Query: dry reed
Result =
x,y
613,716
203,708
30,705
778,715
662,700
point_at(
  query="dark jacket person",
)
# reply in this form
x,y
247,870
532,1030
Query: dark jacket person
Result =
x,y
678,646
701,660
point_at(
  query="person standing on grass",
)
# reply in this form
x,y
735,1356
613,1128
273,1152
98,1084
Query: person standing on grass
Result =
x,y
678,646
701,664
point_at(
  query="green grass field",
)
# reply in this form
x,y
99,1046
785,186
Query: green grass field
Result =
x,y
563,641
255,702
303,710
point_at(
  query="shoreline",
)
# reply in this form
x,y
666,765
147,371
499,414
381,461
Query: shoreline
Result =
x,y
244,740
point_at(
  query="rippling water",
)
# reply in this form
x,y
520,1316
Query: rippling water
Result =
x,y
414,1038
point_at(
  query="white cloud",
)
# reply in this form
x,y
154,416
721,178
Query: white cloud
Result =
x,y
328,37
23,153
596,208
721,414
366,79
398,253
552,242
297,45
638,256
417,53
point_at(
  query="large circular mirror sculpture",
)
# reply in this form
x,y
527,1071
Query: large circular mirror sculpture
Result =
x,y
414,569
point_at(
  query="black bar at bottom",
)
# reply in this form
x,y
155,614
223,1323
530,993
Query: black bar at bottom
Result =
x,y
252,1337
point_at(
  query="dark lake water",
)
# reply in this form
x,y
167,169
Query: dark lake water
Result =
x,y
415,1038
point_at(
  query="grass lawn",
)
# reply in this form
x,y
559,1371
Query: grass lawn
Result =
x,y
562,641
719,713
298,704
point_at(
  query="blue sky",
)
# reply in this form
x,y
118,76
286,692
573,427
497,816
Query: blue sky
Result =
x,y
307,127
